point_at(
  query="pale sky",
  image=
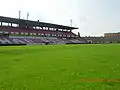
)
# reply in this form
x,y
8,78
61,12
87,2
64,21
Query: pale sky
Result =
x,y
92,17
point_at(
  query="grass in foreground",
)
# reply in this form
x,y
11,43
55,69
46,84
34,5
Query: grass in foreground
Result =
x,y
60,67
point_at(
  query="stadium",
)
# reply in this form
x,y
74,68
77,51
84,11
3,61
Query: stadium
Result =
x,y
36,55
24,32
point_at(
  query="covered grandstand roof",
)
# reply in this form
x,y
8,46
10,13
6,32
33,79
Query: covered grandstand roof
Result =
x,y
34,23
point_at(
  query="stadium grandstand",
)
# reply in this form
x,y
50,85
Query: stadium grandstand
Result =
x,y
15,31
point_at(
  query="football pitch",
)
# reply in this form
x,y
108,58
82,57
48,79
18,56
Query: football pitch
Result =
x,y
60,67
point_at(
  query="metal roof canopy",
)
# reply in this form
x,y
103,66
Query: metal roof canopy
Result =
x,y
34,23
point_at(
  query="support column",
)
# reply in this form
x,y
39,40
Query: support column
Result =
x,y
11,24
1,23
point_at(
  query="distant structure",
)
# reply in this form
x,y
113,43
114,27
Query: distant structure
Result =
x,y
107,38
112,37
94,40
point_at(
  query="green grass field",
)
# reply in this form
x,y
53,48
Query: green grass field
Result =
x,y
60,67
